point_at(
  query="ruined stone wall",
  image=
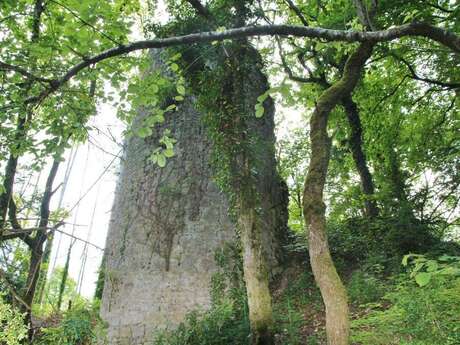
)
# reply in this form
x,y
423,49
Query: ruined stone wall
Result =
x,y
167,224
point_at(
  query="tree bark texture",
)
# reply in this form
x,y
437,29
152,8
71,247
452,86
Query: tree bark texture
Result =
x,y
331,287
259,191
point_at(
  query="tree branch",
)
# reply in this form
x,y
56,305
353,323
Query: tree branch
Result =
x,y
298,12
13,290
444,37
201,10
291,75
415,76
7,67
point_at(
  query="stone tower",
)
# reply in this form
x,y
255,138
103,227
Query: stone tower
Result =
x,y
168,222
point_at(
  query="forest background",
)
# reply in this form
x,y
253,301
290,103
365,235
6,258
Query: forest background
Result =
x,y
393,180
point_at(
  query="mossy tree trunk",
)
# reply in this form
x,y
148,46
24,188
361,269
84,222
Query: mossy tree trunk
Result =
x,y
257,185
332,289
256,275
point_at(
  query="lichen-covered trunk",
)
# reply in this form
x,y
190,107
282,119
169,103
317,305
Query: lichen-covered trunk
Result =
x,y
257,184
256,275
326,276
332,289
359,157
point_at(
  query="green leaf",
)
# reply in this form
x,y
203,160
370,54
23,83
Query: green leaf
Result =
x,y
176,57
259,111
160,118
144,132
168,153
153,157
161,160
422,278
405,259
431,266
170,107
174,67
179,98
262,97
181,89
448,258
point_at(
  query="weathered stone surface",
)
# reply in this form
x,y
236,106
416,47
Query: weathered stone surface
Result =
x,y
167,223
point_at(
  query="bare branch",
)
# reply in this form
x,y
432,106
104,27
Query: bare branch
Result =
x,y
415,76
291,75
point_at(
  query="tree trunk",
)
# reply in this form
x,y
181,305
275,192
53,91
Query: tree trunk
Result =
x,y
36,245
359,157
331,287
10,169
10,173
63,282
254,180
256,275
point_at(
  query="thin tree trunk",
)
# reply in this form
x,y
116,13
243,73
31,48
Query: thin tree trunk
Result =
x,y
65,273
255,274
359,157
11,166
10,173
49,243
8,183
331,287
36,247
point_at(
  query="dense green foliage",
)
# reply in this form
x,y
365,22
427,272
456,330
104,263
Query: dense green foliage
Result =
x,y
79,326
409,314
12,328
393,181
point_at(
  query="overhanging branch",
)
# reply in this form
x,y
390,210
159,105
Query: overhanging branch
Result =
x,y
444,37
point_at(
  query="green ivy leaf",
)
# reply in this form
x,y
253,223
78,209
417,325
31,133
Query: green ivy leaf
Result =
x,y
176,57
144,132
181,90
170,107
259,111
262,97
153,157
161,160
168,153
423,278
160,118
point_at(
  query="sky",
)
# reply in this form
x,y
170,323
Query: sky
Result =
x,y
92,179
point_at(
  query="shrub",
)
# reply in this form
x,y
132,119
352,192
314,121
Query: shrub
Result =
x,y
364,287
78,327
227,321
428,315
223,324
12,327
